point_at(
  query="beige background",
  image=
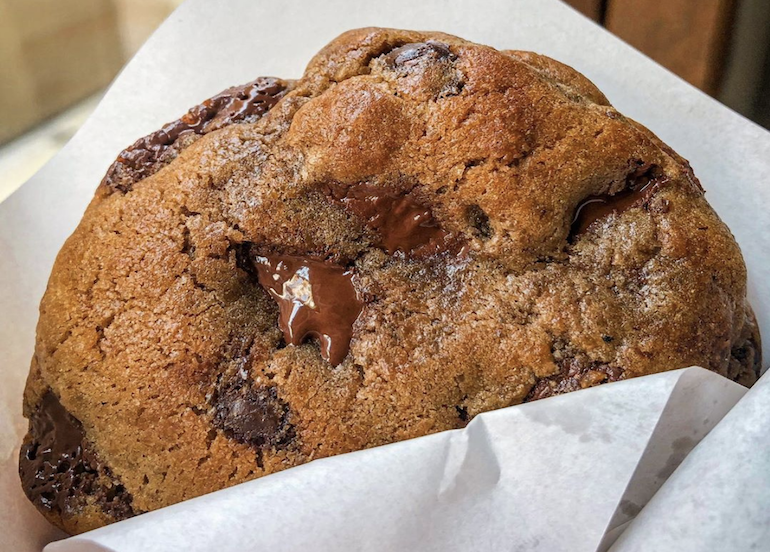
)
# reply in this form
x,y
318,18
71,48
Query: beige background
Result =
x,y
54,52
161,83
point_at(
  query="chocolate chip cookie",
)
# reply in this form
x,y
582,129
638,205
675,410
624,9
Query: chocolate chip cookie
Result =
x,y
418,230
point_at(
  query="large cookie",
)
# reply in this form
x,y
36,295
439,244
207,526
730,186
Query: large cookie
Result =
x,y
419,230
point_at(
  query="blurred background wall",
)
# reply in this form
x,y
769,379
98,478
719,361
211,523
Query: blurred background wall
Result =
x,y
56,56
720,46
56,52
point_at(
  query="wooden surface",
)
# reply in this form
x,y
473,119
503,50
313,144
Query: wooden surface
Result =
x,y
55,52
17,101
589,8
52,54
689,37
139,18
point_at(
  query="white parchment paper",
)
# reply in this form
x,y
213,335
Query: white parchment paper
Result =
x,y
550,475
718,498
209,45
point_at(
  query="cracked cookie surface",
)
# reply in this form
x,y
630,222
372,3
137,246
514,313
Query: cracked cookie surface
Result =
x,y
500,233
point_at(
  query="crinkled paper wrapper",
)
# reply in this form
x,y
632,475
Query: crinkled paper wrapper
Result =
x,y
678,461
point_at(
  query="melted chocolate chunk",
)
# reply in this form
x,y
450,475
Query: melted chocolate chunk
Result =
x,y
638,194
255,417
574,375
430,68
147,155
411,54
58,469
315,299
400,223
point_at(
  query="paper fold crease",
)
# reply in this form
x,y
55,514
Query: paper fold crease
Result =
x,y
525,478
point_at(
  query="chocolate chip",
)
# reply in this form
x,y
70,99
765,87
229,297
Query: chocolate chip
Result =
x,y
411,54
316,299
116,502
741,353
574,374
479,220
400,222
255,417
58,467
607,338
747,356
641,186
243,258
147,155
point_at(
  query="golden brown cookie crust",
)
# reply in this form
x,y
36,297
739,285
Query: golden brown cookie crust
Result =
x,y
156,336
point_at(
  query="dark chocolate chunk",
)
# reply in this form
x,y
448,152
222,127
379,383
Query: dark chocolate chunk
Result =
x,y
432,63
400,222
238,104
243,258
641,186
256,417
58,467
574,375
315,299
410,54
